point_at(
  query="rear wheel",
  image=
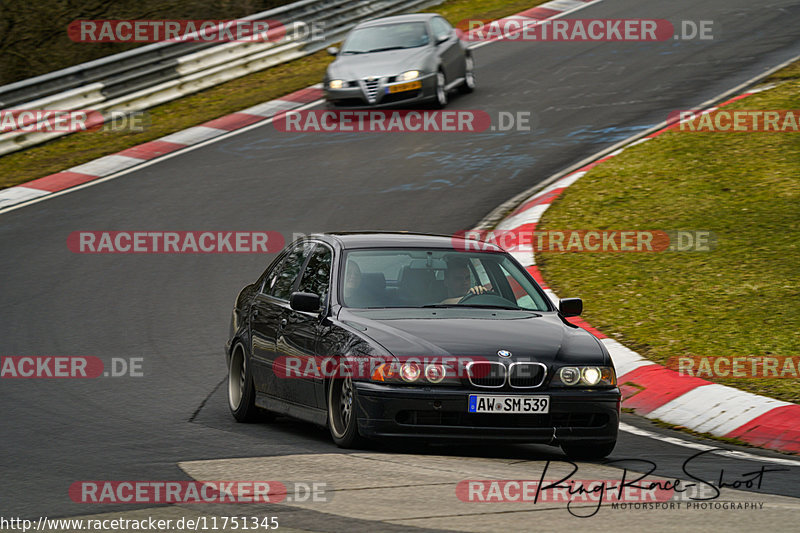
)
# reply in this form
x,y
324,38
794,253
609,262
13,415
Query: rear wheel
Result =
x,y
342,421
588,450
241,391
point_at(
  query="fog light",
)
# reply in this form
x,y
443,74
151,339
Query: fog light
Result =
x,y
409,372
569,375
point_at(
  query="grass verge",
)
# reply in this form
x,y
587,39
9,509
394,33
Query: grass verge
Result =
x,y
741,299
79,148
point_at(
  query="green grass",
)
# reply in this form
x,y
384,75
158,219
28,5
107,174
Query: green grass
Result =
x,y
742,298
79,148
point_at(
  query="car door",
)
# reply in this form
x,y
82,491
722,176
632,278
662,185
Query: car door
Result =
x,y
451,55
268,315
300,336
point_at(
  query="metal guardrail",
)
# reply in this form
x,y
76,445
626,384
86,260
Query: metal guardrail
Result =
x,y
153,74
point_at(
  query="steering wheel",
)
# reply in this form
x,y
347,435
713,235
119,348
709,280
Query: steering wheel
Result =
x,y
472,295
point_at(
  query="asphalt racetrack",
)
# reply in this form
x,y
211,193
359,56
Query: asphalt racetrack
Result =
x,y
173,310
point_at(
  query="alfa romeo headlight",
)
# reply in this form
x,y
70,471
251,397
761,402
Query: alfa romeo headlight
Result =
x,y
336,84
408,75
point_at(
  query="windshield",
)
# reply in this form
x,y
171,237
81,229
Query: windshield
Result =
x,y
418,277
386,37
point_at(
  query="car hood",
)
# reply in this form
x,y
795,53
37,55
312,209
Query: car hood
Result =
x,y
544,337
389,63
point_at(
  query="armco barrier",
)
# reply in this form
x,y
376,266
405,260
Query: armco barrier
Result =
x,y
153,74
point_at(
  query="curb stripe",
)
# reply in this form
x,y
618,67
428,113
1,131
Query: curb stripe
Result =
x,y
657,386
777,429
304,96
15,195
58,182
233,121
151,150
724,409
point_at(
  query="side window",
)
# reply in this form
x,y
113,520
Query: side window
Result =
x,y
317,274
441,28
286,274
269,280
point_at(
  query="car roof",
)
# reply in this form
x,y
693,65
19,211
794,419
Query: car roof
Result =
x,y
411,17
377,239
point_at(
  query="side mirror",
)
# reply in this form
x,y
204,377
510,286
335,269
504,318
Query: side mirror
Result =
x,y
440,40
332,50
304,301
570,306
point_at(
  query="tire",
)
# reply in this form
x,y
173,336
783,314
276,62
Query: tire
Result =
x,y
441,93
342,420
469,76
241,391
588,450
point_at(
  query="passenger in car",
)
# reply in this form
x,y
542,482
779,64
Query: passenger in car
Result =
x,y
364,289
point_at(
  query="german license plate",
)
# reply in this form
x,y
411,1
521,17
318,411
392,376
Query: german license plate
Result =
x,y
492,403
410,86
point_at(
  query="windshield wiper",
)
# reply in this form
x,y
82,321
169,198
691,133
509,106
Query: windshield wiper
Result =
x,y
476,306
389,48
355,51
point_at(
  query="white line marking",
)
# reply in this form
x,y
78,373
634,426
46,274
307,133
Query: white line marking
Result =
x,y
153,161
733,454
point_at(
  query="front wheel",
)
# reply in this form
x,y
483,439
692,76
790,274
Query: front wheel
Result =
x,y
469,76
441,92
588,450
342,421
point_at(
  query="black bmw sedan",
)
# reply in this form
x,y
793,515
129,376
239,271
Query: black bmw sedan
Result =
x,y
380,335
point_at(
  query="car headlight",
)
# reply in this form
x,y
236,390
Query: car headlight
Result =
x,y
585,376
408,75
335,84
410,372
413,373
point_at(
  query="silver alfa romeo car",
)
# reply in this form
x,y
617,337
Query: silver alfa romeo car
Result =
x,y
399,60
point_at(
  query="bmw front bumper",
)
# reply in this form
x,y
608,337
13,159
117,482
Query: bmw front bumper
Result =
x,y
441,414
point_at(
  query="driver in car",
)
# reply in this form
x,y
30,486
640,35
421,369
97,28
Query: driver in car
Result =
x,y
457,281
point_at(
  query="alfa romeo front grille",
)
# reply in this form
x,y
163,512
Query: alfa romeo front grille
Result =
x,y
372,88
